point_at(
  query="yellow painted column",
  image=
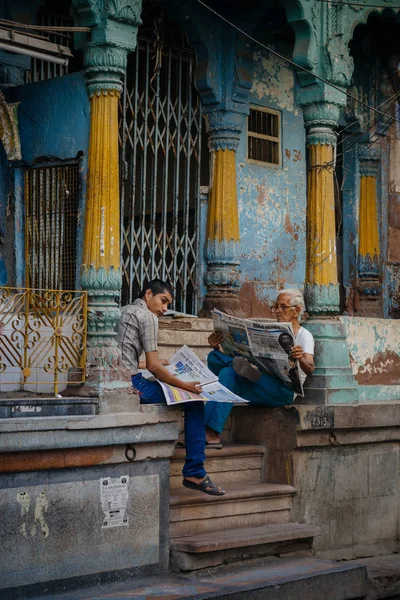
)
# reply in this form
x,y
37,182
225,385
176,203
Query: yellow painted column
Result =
x,y
321,289
368,264
102,225
223,218
113,34
223,238
321,236
368,235
100,268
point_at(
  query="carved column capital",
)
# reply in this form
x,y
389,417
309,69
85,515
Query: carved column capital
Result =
x,y
369,161
224,129
320,120
114,25
105,67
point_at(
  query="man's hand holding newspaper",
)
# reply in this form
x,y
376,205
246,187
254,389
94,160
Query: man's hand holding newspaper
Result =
x,y
268,345
185,365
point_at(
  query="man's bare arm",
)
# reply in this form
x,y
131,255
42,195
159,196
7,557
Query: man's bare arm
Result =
x,y
155,366
306,361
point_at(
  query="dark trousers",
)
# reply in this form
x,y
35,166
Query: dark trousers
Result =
x,y
150,392
268,391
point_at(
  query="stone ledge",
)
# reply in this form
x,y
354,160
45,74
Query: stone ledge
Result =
x,y
151,415
101,430
354,416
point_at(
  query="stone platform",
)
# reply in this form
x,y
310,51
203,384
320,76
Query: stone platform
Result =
x,y
290,579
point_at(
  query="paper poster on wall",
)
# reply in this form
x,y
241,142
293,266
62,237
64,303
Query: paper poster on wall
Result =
x,y
114,499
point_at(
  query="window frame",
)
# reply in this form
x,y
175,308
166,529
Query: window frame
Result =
x,y
262,136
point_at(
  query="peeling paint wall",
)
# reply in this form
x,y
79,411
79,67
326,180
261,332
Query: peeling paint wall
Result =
x,y
272,200
374,347
394,224
54,119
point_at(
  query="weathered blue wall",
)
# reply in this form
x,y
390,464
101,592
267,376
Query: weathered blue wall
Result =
x,y
53,117
272,200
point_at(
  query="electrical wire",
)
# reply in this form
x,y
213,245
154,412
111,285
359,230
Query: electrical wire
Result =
x,y
291,62
358,4
332,163
360,131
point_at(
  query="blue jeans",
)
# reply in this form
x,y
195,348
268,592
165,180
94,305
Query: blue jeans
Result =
x,y
268,391
150,392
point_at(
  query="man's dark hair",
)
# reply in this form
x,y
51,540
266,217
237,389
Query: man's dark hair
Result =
x,y
157,286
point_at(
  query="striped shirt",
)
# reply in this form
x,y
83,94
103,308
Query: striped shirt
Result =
x,y
137,332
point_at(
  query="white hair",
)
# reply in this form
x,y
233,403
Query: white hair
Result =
x,y
296,298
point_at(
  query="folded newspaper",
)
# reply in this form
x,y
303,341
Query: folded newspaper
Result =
x,y
185,365
264,343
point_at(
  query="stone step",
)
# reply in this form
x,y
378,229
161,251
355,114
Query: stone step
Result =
x,y
174,333
234,463
186,324
246,505
170,337
275,579
211,549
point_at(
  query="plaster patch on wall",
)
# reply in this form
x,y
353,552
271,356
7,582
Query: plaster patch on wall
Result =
x,y
41,507
24,501
102,230
374,347
274,79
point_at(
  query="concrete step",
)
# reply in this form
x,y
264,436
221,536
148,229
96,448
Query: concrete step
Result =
x,y
276,579
246,505
174,333
211,549
186,324
383,576
234,463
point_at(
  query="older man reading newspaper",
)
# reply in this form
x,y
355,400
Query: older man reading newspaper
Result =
x,y
246,380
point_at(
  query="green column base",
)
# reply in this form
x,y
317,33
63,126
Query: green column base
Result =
x,y
333,381
322,299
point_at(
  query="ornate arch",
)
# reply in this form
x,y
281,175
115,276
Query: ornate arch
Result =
x,y
359,16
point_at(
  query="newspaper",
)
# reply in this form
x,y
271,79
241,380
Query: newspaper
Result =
x,y
264,343
185,365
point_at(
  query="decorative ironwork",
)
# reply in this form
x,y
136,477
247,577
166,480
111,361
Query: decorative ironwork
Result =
x,y
161,141
42,338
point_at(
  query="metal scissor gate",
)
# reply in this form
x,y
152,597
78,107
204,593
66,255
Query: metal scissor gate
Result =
x,y
160,138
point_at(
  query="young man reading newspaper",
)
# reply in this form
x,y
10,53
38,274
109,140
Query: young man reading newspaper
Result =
x,y
138,332
239,376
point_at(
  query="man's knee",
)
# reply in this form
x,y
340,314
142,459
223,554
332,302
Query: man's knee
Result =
x,y
227,377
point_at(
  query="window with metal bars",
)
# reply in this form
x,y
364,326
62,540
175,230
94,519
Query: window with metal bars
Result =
x,y
51,211
264,136
54,14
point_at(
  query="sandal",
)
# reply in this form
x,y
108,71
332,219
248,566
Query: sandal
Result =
x,y
215,445
206,486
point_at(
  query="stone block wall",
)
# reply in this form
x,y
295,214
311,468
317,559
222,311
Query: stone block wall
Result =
x,y
345,464
85,499
352,494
